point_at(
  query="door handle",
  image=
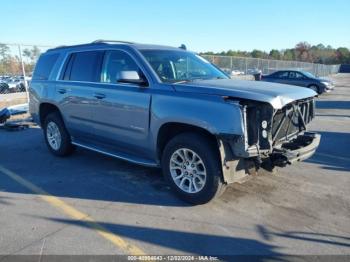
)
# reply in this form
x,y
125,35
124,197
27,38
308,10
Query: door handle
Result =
x,y
62,91
99,95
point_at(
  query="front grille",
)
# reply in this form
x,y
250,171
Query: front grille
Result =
x,y
292,119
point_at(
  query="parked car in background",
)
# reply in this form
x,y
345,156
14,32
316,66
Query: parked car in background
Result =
x,y
4,88
236,73
300,78
13,84
253,71
230,72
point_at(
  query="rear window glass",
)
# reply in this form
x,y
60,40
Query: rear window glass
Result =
x,y
44,66
84,66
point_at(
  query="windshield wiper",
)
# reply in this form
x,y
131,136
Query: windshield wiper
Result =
x,y
182,81
195,79
218,77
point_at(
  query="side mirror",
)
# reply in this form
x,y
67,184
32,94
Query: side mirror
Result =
x,y
131,77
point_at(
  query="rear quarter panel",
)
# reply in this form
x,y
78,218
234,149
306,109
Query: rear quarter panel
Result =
x,y
40,91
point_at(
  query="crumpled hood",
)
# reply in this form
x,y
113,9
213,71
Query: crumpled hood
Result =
x,y
278,95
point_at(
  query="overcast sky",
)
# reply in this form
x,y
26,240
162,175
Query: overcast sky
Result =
x,y
205,25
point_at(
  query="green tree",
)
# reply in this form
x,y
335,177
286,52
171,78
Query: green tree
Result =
x,y
32,54
4,51
4,58
288,54
258,54
343,55
275,54
320,47
302,50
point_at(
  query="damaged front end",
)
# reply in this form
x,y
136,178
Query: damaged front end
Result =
x,y
272,137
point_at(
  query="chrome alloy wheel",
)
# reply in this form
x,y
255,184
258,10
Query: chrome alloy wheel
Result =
x,y
53,135
188,170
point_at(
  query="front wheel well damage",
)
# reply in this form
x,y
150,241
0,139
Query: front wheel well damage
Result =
x,y
170,130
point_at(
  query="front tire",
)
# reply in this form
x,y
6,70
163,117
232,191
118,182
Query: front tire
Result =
x,y
56,136
192,166
315,88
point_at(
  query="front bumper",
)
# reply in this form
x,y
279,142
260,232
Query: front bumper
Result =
x,y
299,149
328,88
236,168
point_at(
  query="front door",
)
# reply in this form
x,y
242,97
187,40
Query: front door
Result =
x,y
121,111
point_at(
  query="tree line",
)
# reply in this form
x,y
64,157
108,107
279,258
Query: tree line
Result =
x,y
302,51
11,64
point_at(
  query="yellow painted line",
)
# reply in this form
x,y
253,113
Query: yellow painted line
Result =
x,y
74,213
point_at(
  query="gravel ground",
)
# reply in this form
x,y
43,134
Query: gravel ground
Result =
x,y
12,99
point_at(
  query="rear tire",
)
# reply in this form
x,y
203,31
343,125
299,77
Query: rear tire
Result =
x,y
56,135
197,178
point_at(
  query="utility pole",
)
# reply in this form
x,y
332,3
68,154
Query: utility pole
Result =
x,y
23,72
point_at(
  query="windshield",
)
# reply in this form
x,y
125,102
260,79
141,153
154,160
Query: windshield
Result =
x,y
308,74
178,66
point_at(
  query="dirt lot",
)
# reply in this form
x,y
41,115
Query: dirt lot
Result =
x,y
12,99
100,205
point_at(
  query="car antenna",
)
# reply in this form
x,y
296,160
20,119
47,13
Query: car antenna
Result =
x,y
182,46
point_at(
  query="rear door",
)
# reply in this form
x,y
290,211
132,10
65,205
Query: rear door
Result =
x,y
120,110
75,92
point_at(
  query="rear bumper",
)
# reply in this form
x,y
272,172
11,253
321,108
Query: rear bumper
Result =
x,y
299,149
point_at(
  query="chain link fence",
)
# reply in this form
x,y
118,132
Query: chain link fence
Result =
x,y
247,66
16,66
18,61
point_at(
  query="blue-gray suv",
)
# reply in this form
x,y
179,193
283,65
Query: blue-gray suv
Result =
x,y
166,107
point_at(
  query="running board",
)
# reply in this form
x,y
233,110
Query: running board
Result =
x,y
139,161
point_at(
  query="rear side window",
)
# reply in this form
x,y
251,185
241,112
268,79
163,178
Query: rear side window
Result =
x,y
44,67
283,74
84,66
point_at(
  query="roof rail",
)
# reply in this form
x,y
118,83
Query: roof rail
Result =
x,y
111,41
57,47
100,41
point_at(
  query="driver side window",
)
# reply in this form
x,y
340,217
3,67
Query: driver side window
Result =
x,y
295,75
114,63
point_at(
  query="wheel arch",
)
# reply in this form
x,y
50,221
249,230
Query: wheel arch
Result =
x,y
169,130
316,85
45,109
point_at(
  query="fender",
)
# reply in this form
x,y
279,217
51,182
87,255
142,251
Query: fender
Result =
x,y
210,113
